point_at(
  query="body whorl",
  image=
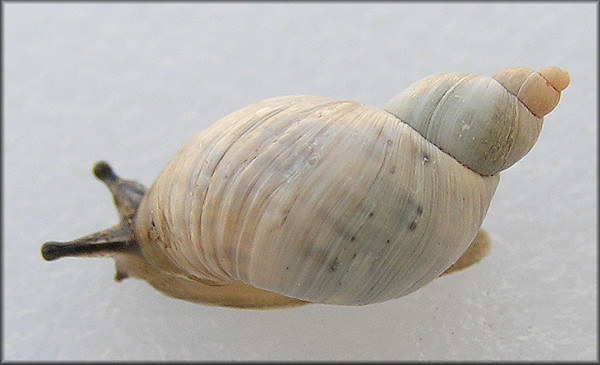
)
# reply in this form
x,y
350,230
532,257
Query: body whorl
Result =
x,y
318,199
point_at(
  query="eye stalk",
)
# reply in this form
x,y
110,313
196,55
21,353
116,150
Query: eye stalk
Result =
x,y
127,195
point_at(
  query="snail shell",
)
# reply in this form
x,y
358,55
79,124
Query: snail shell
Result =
x,y
309,199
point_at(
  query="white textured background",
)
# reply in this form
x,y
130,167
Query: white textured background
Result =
x,y
131,83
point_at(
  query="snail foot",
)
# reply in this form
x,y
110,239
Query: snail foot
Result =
x,y
478,249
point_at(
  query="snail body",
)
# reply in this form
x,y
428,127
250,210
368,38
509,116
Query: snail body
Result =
x,y
308,199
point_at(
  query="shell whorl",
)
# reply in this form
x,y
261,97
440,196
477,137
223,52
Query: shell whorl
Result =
x,y
486,123
538,91
318,199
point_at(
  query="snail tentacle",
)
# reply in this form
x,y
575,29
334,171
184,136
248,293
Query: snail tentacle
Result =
x,y
103,243
127,196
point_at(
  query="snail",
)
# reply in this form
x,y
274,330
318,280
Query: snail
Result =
x,y
306,199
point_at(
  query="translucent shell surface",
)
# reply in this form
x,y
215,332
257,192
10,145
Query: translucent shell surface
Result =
x,y
318,199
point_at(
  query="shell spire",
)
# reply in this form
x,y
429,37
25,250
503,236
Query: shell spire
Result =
x,y
485,123
538,91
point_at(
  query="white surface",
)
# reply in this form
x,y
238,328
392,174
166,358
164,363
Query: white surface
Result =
x,y
131,83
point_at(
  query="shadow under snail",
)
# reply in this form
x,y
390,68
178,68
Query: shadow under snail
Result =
x,y
302,199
